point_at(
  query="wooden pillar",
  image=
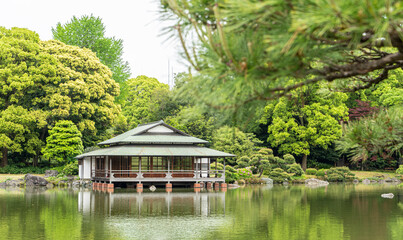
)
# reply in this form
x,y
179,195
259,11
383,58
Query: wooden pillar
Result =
x,y
139,164
216,168
110,170
91,167
224,169
169,160
195,162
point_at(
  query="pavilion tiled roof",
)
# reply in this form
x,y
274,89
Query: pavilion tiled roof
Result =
x,y
155,139
140,135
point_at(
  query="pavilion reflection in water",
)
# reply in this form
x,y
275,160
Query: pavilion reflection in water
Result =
x,y
152,203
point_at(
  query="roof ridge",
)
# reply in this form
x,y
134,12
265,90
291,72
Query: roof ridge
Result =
x,y
143,128
150,123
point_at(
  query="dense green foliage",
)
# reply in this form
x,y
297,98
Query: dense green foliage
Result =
x,y
63,143
234,141
71,169
43,82
400,170
89,32
14,169
295,169
145,95
193,122
338,174
321,172
376,137
306,119
278,175
311,171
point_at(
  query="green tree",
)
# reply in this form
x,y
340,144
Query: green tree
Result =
x,y
307,118
144,95
193,122
389,92
17,126
63,143
377,135
233,140
247,50
54,81
89,32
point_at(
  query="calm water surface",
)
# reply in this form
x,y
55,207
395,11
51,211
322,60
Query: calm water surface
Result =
x,y
261,212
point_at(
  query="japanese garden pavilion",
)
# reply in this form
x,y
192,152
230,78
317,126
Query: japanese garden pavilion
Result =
x,y
152,153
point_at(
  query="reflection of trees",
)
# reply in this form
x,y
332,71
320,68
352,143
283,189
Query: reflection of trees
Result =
x,y
297,212
51,214
294,212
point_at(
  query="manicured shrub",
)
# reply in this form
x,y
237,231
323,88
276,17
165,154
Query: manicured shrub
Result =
x,y
278,162
400,170
231,177
71,169
266,151
231,174
339,174
289,159
321,173
228,168
295,169
279,175
311,171
243,162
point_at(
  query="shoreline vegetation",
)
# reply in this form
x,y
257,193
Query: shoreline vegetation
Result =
x,y
359,176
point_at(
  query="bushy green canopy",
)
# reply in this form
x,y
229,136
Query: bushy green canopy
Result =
x,y
89,32
63,143
234,141
144,95
53,81
309,117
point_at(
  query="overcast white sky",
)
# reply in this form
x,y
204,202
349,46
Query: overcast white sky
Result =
x,y
134,21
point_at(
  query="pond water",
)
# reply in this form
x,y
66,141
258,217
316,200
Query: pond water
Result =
x,y
252,212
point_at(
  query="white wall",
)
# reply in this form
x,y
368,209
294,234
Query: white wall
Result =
x,y
84,171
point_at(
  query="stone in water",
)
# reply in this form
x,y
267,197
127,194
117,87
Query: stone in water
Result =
x,y
387,195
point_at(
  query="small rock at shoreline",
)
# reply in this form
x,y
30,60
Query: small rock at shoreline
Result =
x,y
267,180
316,182
31,180
51,173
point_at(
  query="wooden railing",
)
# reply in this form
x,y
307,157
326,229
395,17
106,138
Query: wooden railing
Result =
x,y
199,174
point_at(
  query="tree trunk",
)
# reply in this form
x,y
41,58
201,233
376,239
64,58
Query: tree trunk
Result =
x,y
341,162
260,174
35,162
4,161
304,161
